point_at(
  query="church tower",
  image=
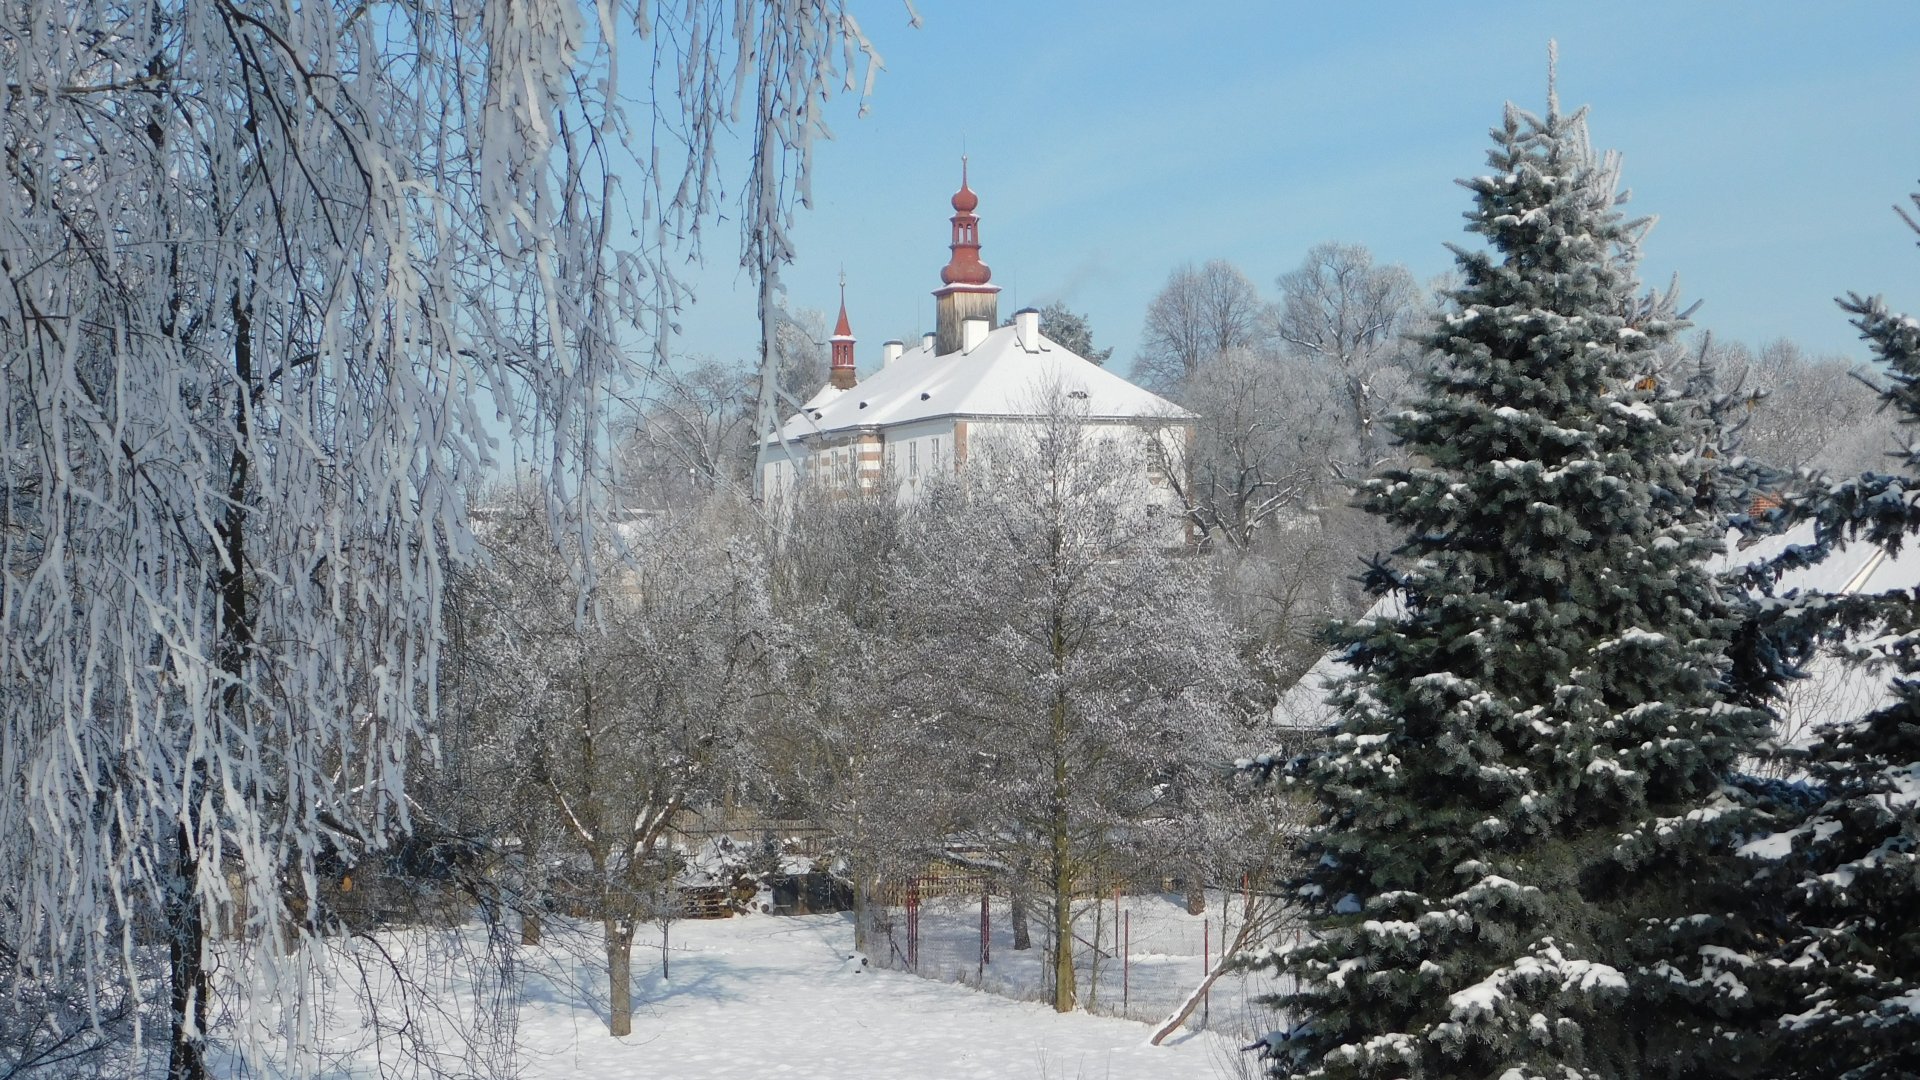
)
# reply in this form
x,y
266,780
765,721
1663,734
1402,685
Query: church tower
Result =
x,y
967,293
841,375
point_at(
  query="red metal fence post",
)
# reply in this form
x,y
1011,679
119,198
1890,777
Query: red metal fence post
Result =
x,y
1126,964
986,936
913,923
1206,966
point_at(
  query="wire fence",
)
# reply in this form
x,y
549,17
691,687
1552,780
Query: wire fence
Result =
x,y
1135,956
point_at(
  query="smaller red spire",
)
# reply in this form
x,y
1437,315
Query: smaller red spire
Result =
x,y
841,375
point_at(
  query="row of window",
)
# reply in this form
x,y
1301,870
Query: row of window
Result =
x,y
913,457
846,458
781,473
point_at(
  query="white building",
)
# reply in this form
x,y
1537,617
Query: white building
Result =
x,y
937,409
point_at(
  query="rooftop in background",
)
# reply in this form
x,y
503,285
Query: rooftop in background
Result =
x,y
1001,376
1831,690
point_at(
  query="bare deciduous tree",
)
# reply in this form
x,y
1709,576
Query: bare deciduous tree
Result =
x,y
1347,314
1260,450
609,720
1063,652
801,358
691,438
1200,314
1808,412
840,750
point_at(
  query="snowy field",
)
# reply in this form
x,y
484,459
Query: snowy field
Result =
x,y
752,997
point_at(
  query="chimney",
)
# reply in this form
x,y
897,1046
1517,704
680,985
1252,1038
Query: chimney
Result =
x,y
890,351
927,341
1026,329
968,292
973,331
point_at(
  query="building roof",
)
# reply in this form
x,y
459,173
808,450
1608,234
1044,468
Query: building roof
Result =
x,y
1000,377
820,398
1834,689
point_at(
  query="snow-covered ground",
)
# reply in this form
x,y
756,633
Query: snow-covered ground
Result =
x,y
1166,955
751,997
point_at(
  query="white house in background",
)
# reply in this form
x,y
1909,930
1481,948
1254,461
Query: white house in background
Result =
x,y
937,409
1833,690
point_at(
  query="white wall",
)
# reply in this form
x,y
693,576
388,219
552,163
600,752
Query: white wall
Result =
x,y
915,454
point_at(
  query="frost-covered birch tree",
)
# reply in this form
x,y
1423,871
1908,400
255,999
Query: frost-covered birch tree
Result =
x,y
1525,819
277,277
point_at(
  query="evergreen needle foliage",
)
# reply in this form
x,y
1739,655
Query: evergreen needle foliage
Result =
x,y
1845,877
1525,812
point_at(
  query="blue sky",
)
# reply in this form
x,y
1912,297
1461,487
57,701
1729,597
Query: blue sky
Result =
x,y
1111,142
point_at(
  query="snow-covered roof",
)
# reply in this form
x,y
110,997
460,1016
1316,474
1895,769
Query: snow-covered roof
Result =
x,y
1861,568
1001,376
821,398
1833,689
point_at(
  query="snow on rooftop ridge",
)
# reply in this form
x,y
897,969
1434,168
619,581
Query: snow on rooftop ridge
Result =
x,y
1000,377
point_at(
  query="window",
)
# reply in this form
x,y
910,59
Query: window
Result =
x,y
913,460
1156,454
933,454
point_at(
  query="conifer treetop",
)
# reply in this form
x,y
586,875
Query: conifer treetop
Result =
x,y
1537,728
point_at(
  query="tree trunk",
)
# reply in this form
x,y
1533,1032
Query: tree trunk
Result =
x,y
1022,935
533,889
187,921
860,894
1060,835
1063,980
186,968
619,976
1062,872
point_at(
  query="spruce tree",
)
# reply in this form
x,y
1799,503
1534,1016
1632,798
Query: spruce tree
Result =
x,y
1846,873
1524,793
